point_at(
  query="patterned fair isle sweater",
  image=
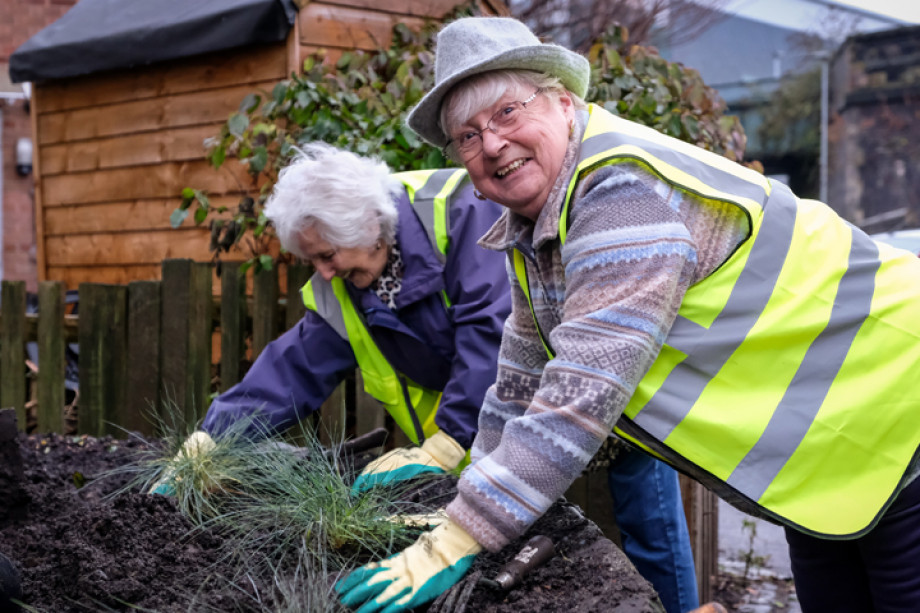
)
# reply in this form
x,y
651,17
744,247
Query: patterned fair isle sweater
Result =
x,y
607,300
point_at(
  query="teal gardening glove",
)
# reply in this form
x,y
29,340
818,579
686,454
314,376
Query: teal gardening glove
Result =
x,y
198,443
438,454
419,574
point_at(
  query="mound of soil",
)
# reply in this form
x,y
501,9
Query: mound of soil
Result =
x,y
76,550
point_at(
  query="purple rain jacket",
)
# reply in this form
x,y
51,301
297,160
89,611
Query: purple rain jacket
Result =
x,y
453,350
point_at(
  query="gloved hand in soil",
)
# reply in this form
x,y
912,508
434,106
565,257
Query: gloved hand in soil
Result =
x,y
198,442
438,454
419,574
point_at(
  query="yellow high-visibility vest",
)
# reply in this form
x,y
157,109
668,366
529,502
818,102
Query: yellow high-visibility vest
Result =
x,y
412,406
789,375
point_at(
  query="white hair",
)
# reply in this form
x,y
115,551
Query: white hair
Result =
x,y
348,199
481,91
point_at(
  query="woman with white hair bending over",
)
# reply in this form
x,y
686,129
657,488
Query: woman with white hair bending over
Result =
x,y
401,291
753,340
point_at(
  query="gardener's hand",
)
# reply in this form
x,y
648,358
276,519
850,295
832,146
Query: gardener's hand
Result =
x,y
430,566
198,442
439,453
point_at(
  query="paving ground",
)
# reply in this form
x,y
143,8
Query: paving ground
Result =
x,y
771,591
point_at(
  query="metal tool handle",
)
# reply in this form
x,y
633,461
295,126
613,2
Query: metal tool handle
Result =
x,y
535,552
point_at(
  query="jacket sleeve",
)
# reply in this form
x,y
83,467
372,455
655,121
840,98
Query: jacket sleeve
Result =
x,y
290,379
477,286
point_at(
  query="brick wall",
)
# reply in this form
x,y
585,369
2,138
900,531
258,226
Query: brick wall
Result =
x,y
21,20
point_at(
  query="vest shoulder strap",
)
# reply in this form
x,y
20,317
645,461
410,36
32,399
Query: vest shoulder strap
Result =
x,y
609,138
325,303
429,193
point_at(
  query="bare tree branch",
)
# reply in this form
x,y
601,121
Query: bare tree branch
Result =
x,y
577,23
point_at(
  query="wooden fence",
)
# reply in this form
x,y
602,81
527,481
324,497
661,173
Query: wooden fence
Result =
x,y
144,347
147,348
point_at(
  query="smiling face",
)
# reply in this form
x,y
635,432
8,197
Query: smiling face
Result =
x,y
360,265
518,170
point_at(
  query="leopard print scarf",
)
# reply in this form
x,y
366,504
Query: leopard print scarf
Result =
x,y
389,282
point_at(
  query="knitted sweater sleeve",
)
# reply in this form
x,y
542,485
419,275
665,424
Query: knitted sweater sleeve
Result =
x,y
623,271
521,360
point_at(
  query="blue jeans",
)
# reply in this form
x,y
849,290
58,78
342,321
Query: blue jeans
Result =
x,y
650,516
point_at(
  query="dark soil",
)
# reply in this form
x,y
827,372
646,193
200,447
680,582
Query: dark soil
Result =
x,y
77,550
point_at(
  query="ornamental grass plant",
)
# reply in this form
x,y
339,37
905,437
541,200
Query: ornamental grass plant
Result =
x,y
282,505
306,586
300,499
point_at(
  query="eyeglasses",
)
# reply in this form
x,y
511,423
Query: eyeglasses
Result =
x,y
506,120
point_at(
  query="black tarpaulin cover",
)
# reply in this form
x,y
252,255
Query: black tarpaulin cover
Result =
x,y
98,35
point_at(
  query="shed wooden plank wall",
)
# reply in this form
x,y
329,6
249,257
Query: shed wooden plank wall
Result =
x,y
344,25
115,149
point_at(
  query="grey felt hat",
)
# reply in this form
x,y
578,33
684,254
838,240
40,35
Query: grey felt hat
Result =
x,y
473,45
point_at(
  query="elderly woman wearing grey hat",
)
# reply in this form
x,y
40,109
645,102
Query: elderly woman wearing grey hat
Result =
x,y
755,341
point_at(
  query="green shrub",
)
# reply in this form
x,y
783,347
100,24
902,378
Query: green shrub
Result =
x,y
636,83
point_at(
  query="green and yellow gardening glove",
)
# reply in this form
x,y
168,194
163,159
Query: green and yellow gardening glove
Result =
x,y
419,574
420,520
198,442
438,454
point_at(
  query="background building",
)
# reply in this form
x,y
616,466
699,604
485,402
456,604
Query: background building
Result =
x,y
753,47
875,130
20,20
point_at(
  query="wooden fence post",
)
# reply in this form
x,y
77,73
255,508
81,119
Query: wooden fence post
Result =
x,y
51,360
701,507
264,309
143,401
185,338
174,339
332,417
369,413
103,348
12,349
232,324
200,326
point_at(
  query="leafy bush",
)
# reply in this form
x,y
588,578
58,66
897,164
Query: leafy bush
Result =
x,y
635,82
360,103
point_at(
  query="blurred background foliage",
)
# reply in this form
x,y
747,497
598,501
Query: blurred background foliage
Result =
x,y
360,103
791,124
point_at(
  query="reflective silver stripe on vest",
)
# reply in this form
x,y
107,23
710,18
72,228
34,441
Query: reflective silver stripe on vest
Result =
x,y
709,175
708,350
327,305
423,204
812,381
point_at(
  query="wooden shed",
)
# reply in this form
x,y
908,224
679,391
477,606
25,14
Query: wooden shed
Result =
x,y
124,94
